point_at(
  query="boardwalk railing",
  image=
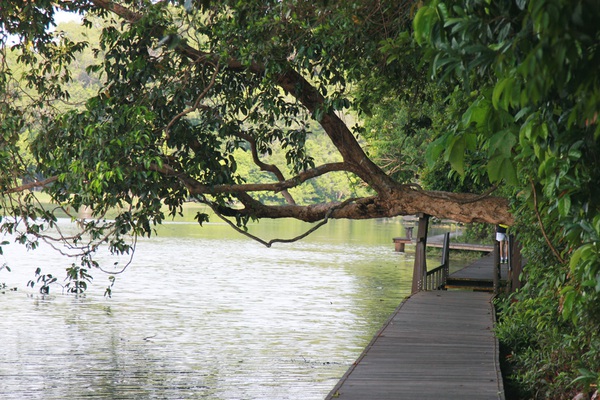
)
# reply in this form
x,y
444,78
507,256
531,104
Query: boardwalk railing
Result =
x,y
515,266
437,277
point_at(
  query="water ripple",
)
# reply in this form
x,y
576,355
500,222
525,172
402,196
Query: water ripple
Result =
x,y
200,318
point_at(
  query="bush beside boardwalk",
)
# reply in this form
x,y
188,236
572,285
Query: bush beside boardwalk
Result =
x,y
545,355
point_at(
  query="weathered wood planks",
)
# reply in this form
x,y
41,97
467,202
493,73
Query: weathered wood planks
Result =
x,y
437,345
478,275
480,269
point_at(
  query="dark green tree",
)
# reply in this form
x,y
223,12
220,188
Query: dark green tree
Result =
x,y
531,71
185,85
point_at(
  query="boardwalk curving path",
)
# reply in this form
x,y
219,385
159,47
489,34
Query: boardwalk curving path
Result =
x,y
437,345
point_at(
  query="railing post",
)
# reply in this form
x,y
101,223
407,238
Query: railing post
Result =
x,y
496,268
509,272
420,266
445,260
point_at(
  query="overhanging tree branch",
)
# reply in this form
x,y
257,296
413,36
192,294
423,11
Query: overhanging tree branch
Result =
x,y
403,202
31,185
197,188
392,199
264,166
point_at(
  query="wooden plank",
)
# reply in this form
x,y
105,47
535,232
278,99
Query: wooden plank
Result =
x,y
436,345
480,269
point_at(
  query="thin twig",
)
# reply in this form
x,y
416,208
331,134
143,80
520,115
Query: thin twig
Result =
x,y
539,217
271,242
135,239
196,104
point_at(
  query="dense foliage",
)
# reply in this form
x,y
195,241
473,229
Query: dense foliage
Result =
x,y
531,68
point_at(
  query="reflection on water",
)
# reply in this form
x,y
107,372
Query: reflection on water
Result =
x,y
201,315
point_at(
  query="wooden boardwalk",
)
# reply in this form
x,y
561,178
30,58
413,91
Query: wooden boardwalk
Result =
x,y
477,275
437,345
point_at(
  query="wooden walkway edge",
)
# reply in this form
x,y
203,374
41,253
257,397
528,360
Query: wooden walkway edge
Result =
x,y
436,345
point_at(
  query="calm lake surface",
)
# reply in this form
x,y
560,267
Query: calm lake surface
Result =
x,y
204,313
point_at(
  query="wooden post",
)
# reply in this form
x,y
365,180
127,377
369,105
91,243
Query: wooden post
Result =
x,y
446,259
398,245
509,272
400,242
496,268
420,266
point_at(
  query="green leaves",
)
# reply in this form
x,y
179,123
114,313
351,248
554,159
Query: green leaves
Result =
x,y
481,129
78,278
455,151
506,94
501,165
501,168
564,205
201,217
532,69
425,23
477,114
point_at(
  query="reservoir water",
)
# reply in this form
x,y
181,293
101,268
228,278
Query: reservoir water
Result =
x,y
203,313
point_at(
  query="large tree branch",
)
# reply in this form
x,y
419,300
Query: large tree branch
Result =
x,y
406,202
197,188
392,199
123,12
31,185
343,139
264,166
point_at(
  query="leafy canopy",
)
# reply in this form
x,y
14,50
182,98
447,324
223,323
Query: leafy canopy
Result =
x,y
176,91
531,68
